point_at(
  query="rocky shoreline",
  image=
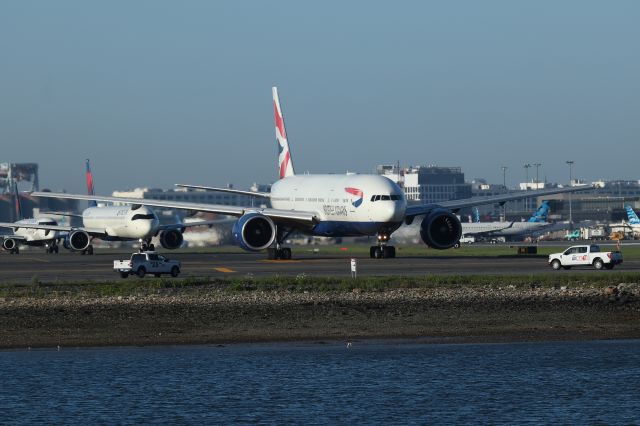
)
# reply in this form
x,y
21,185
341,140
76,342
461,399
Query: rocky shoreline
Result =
x,y
214,316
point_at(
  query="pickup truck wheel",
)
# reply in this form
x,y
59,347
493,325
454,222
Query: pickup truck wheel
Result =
x,y
598,263
141,271
175,271
124,274
556,264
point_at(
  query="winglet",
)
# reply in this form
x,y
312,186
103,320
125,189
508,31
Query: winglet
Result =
x,y
285,164
92,203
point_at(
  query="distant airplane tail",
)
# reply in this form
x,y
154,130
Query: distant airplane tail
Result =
x,y
18,204
285,164
92,203
633,217
476,215
541,214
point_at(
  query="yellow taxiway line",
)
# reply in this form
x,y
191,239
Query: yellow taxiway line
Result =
x,y
225,270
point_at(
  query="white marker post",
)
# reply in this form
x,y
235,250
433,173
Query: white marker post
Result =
x,y
354,268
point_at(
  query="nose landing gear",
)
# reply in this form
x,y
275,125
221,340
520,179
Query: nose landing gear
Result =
x,y
382,250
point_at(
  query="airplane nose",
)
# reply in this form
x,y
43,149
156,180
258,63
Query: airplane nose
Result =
x,y
393,212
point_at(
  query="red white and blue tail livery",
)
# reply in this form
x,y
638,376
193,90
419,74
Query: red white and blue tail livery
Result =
x,y
285,166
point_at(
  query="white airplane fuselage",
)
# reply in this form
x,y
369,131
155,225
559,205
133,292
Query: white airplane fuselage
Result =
x,y
122,222
346,205
34,236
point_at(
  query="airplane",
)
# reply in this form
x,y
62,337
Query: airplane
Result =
x,y
135,222
634,222
536,223
328,205
23,234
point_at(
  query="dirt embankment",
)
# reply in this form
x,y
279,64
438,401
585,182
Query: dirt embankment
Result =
x,y
194,316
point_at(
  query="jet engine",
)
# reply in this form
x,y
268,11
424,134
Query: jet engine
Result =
x,y
171,239
440,229
77,240
9,244
254,231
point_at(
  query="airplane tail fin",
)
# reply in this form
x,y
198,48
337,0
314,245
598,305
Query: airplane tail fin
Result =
x,y
633,217
541,214
18,204
92,203
285,164
476,215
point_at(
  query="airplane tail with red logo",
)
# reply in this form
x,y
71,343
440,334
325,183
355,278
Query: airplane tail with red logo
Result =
x,y
285,164
92,203
18,204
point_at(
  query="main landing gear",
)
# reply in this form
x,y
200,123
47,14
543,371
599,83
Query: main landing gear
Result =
x,y
145,245
15,250
279,252
52,248
88,250
382,250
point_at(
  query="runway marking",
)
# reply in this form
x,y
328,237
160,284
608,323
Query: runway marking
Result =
x,y
280,261
225,270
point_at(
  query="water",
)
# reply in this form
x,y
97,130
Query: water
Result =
x,y
371,382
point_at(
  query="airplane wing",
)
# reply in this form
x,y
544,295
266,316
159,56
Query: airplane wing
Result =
x,y
231,191
198,223
62,214
90,231
14,237
417,210
489,231
300,217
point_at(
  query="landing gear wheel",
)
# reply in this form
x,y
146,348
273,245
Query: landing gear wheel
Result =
x,y
175,271
285,253
152,247
15,250
90,250
377,253
141,271
457,245
56,249
144,247
388,252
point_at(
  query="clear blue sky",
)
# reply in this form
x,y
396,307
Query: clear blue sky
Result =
x,y
159,92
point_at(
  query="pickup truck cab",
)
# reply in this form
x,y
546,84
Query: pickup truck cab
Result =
x,y
147,262
586,255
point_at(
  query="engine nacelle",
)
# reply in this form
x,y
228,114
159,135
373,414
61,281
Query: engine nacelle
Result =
x,y
171,239
440,229
9,244
77,241
254,231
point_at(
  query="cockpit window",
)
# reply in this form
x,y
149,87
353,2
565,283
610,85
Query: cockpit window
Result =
x,y
385,197
143,216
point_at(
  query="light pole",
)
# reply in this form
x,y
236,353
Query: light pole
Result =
x,y
570,163
526,169
537,166
504,183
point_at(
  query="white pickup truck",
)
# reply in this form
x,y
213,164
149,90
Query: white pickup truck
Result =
x,y
587,255
147,262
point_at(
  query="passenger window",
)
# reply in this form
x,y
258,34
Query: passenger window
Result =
x,y
153,257
595,249
583,249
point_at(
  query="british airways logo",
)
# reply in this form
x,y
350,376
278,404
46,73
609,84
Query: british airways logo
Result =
x,y
358,193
